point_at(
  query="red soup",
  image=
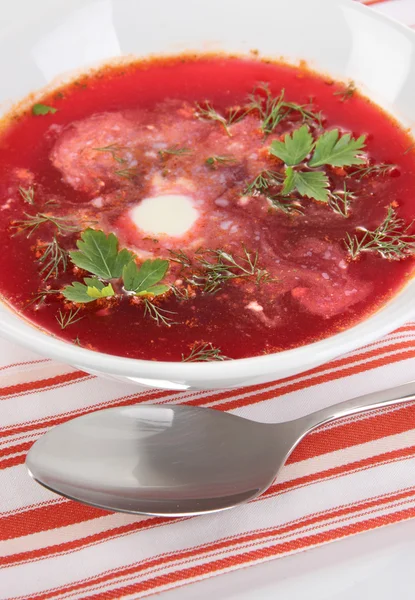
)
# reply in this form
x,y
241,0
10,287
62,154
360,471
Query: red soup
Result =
x,y
203,208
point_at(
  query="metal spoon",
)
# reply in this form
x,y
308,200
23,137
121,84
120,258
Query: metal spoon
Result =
x,y
176,460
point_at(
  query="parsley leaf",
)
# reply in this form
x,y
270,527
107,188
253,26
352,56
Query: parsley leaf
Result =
x,y
142,281
337,150
98,254
43,109
295,147
312,184
94,289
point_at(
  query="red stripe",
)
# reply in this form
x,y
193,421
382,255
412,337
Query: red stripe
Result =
x,y
371,2
223,544
31,386
13,525
248,557
50,422
16,448
27,362
253,399
325,378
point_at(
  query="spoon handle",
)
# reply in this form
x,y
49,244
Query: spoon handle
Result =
x,y
397,395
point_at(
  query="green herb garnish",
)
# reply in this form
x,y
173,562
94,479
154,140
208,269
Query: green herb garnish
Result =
x,y
391,239
32,222
347,92
68,318
226,267
214,161
98,254
295,147
312,184
91,290
144,280
28,194
113,149
340,201
53,260
130,173
43,109
264,181
207,112
204,352
273,110
382,169
159,315
337,150
175,150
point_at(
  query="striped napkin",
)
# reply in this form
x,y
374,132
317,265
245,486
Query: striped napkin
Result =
x,y
344,478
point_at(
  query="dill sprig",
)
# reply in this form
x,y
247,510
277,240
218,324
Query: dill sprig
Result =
x,y
159,315
207,112
175,150
33,222
347,92
204,352
340,201
53,260
128,173
381,169
40,297
214,161
226,267
113,149
274,109
28,194
181,293
262,182
180,257
391,239
285,204
67,318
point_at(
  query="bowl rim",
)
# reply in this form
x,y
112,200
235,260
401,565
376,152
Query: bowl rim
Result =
x,y
26,333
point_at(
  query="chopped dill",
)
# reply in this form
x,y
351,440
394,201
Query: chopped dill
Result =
x,y
226,267
340,201
208,113
214,161
391,239
347,92
53,260
159,315
32,222
129,173
28,194
382,169
175,150
204,352
262,182
113,149
67,318
273,110
180,257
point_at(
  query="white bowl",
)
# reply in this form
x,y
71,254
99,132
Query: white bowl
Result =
x,y
54,39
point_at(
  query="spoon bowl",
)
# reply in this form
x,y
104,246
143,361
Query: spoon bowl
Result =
x,y
175,460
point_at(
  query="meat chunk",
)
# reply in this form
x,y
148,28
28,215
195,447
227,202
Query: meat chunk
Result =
x,y
90,152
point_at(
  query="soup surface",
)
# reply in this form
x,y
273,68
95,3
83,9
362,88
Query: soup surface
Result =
x,y
203,208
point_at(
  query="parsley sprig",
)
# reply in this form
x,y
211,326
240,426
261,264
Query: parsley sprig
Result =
x,y
99,255
330,149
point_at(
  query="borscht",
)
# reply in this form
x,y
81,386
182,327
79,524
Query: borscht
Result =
x,y
202,208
